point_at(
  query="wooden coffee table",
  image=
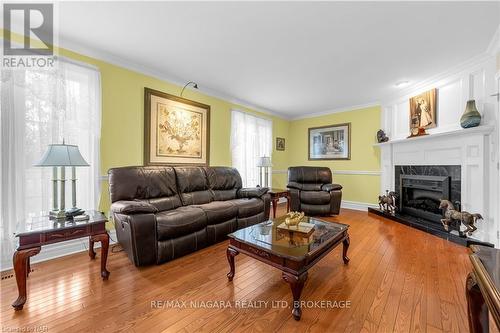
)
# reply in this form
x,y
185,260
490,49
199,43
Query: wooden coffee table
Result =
x,y
288,251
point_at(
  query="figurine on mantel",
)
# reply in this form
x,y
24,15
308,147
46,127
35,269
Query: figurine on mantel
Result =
x,y
381,136
387,202
451,215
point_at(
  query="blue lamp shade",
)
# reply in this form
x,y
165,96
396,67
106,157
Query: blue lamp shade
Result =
x,y
62,155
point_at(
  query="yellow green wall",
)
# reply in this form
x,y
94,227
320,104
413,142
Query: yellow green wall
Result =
x,y
122,130
364,157
123,123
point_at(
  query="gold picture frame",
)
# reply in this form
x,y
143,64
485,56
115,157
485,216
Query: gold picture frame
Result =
x,y
423,110
280,144
176,130
332,142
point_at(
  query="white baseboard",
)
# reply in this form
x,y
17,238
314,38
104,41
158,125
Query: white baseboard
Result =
x,y
363,206
62,249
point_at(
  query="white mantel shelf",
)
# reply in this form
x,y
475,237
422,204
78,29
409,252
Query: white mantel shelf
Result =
x,y
484,129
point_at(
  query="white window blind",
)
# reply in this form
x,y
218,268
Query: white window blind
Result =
x,y
251,138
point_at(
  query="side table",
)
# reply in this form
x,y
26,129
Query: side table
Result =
x,y
275,195
482,288
41,231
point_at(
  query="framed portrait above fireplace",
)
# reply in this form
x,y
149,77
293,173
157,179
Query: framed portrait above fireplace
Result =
x,y
176,130
423,110
332,142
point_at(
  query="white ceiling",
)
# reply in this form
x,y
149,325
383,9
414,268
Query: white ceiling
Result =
x,y
290,58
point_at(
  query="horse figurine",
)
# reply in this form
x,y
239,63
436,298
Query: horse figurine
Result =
x,y
451,215
387,202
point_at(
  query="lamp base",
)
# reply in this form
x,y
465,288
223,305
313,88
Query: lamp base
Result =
x,y
59,215
62,215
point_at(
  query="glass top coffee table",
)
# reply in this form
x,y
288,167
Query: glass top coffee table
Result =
x,y
291,252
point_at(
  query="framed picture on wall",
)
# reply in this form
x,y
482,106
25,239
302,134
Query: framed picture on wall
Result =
x,y
423,110
176,130
332,142
280,144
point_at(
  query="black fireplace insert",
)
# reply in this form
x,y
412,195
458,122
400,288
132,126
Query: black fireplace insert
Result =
x,y
421,195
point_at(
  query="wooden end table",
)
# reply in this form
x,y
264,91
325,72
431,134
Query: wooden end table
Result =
x,y
275,195
483,288
41,231
291,252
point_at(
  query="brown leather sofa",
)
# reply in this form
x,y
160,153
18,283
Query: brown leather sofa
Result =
x,y
312,191
162,213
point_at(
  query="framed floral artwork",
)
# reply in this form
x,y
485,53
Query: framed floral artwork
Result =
x,y
176,130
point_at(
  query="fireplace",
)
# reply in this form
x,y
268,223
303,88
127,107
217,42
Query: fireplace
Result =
x,y
420,195
419,189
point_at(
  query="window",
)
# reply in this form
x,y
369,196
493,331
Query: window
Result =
x,y
251,138
40,107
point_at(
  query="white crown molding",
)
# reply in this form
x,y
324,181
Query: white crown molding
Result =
x,y
434,80
338,110
133,66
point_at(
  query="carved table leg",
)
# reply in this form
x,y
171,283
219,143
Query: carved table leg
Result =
x,y
476,307
20,268
231,253
28,266
91,248
296,284
345,246
104,239
275,203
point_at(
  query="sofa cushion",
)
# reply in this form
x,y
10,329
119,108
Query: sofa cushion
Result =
x,y
131,183
310,174
132,207
192,184
219,211
248,207
315,197
224,182
179,222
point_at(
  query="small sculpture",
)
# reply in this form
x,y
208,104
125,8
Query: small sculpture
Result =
x,y
387,202
293,218
381,136
452,215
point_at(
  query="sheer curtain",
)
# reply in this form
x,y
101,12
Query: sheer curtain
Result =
x,y
251,138
39,107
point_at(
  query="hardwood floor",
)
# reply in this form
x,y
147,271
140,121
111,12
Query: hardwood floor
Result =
x,y
399,279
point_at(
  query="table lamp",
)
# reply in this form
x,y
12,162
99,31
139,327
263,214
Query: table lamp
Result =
x,y
264,164
62,155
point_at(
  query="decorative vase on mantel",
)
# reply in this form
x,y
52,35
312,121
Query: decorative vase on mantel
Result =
x,y
471,117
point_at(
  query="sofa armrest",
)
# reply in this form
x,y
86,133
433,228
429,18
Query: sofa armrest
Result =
x,y
133,207
137,235
331,187
294,185
252,192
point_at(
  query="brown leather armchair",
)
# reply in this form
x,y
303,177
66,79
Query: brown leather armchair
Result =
x,y
312,191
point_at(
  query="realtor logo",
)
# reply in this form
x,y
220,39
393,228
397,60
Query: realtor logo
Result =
x,y
37,23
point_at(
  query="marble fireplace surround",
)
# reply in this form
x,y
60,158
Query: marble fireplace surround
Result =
x,y
468,148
